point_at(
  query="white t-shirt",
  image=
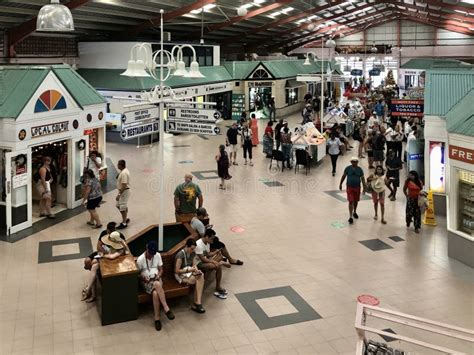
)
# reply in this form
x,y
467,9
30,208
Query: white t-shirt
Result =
x,y
94,167
202,248
198,226
334,146
123,178
149,268
388,134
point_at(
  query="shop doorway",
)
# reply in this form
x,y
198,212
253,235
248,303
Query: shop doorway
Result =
x,y
58,151
259,101
223,103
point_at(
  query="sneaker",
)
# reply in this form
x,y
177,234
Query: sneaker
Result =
x,y
158,325
350,220
122,226
356,216
220,295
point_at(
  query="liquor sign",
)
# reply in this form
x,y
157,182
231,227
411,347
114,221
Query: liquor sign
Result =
x,y
407,108
193,114
461,154
138,130
374,72
141,113
52,128
356,72
192,127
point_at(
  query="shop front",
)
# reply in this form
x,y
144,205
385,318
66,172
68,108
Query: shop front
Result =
x,y
55,114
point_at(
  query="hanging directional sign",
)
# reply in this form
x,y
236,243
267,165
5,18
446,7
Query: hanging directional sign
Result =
x,y
193,114
356,72
138,130
192,127
140,113
374,72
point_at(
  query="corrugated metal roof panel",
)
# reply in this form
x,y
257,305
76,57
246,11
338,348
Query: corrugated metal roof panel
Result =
x,y
460,119
433,63
445,88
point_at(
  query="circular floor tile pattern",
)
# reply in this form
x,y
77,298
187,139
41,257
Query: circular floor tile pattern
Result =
x,y
338,224
237,229
148,170
369,300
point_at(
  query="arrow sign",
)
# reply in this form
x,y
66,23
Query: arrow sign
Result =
x,y
193,114
130,132
140,113
192,127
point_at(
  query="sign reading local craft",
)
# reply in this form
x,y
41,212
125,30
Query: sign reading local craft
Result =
x,y
462,154
192,127
407,108
134,131
52,128
140,114
193,114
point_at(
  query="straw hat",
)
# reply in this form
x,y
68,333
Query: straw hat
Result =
x,y
113,240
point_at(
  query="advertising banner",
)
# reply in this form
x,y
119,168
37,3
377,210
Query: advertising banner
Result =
x,y
413,108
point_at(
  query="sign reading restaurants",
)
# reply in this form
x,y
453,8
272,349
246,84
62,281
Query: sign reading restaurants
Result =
x,y
412,108
52,128
138,130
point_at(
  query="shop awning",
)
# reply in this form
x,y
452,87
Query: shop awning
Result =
x,y
293,83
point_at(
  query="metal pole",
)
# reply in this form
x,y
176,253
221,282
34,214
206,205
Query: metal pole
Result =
x,y
322,84
161,156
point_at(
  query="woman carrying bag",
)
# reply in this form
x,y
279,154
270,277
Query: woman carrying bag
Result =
x,y
377,184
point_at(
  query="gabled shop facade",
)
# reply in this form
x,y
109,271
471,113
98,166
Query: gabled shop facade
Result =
x,y
45,110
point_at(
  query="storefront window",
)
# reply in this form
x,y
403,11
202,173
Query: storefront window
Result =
x,y
466,202
291,96
437,167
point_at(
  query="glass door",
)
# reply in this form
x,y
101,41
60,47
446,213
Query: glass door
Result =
x,y
78,151
18,188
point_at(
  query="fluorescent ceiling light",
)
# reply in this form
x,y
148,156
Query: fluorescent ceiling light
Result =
x,y
470,2
273,14
206,8
287,9
209,6
460,12
312,17
259,1
248,5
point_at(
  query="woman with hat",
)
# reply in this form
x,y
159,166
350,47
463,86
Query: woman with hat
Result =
x,y
113,246
377,183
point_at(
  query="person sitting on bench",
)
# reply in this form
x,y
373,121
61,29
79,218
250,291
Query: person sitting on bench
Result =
x,y
199,230
112,247
209,261
150,266
187,272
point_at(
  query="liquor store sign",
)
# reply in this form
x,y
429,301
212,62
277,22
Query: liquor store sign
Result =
x,y
413,108
48,129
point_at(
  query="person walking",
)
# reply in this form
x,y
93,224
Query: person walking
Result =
x,y
92,198
397,140
278,128
231,142
377,183
393,165
246,140
223,164
355,176
268,140
43,180
369,149
254,127
286,145
412,189
334,150
378,145
123,187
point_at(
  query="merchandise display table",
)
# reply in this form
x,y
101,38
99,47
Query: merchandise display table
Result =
x,y
117,302
308,137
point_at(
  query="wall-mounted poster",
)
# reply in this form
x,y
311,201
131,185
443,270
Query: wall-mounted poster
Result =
x,y
413,108
437,167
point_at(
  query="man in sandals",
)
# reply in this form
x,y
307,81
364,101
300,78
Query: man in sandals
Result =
x,y
186,271
150,266
199,230
209,261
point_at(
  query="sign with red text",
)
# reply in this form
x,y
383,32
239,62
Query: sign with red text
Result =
x,y
462,154
413,108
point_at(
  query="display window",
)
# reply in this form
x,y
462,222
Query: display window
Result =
x,y
466,202
437,166
291,96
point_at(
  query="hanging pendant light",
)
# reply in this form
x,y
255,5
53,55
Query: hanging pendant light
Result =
x,y
194,71
330,43
54,17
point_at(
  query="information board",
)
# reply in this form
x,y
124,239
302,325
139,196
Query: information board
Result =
x,y
138,130
412,108
192,127
193,114
238,106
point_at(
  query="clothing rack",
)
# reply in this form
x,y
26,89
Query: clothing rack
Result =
x,y
364,311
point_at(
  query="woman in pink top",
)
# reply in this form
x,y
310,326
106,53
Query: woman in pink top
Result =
x,y
254,128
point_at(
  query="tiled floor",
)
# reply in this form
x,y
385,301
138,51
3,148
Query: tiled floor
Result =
x,y
293,236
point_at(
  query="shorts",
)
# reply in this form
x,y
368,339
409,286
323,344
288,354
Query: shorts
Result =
x,y
233,148
395,180
353,194
378,197
44,193
378,155
94,203
148,286
122,203
370,153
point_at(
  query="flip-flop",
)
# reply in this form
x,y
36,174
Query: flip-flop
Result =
x,y
220,295
238,262
222,291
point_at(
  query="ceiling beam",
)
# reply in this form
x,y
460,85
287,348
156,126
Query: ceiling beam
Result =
x,y
443,5
22,31
249,15
283,21
434,23
168,16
